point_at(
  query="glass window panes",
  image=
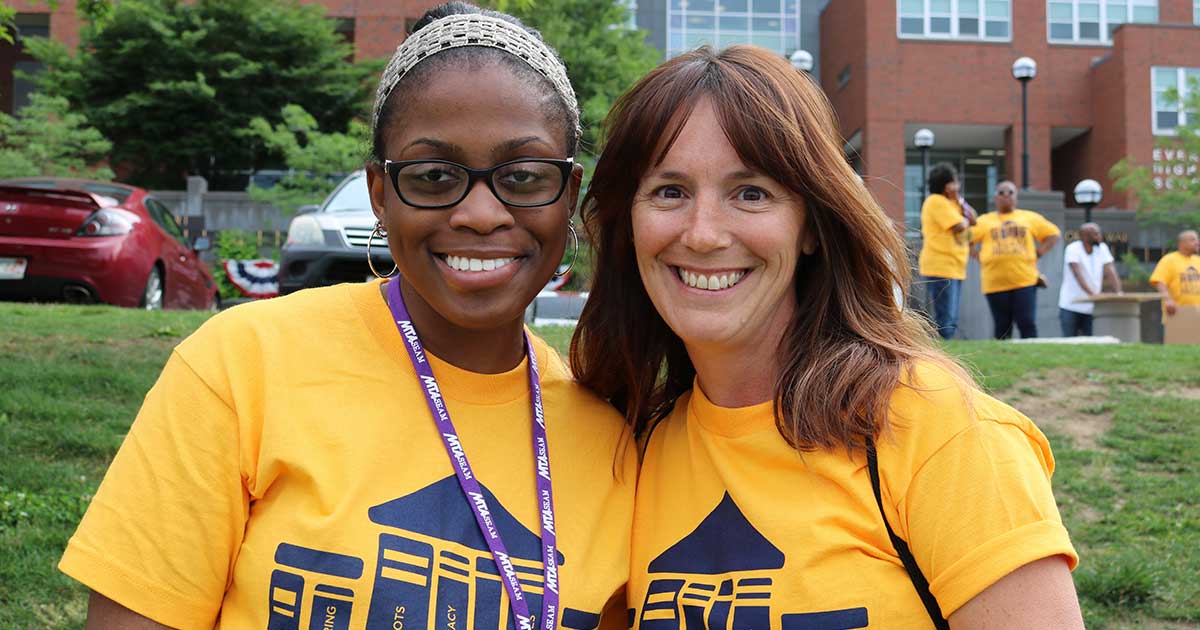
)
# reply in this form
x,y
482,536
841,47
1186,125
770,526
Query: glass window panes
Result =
x,y
1171,88
1094,20
734,23
773,24
945,19
997,30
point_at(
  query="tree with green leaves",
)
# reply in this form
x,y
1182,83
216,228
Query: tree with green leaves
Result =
x,y
314,158
1168,192
173,83
48,138
603,55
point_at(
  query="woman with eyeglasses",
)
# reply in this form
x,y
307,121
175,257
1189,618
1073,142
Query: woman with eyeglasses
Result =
x,y
401,453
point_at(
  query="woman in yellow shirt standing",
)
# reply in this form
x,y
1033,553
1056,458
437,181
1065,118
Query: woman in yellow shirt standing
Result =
x,y
943,260
1010,242
812,458
399,453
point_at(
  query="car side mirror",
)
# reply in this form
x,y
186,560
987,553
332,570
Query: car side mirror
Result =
x,y
308,208
201,244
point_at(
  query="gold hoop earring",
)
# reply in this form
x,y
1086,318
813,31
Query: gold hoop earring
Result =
x,y
574,251
378,231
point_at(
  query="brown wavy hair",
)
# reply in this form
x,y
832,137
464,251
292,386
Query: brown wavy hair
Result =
x,y
849,344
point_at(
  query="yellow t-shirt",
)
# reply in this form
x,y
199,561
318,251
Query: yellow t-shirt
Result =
x,y
734,528
943,252
1008,255
285,472
1181,274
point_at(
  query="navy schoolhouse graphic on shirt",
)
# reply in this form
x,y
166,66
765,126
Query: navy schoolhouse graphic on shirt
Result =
x,y
433,570
720,577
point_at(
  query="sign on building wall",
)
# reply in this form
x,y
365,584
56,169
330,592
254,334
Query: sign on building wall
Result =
x,y
1171,166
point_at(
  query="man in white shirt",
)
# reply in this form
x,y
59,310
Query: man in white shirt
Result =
x,y
1085,264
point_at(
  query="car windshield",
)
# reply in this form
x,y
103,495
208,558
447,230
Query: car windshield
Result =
x,y
351,197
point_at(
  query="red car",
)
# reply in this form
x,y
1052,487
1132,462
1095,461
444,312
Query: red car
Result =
x,y
85,241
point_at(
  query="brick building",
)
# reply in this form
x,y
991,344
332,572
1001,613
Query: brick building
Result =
x,y
375,28
892,67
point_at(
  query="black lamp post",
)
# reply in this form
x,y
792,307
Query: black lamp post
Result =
x,y
1087,194
1023,70
924,139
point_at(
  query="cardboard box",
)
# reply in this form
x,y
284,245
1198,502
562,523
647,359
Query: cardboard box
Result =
x,y
1183,327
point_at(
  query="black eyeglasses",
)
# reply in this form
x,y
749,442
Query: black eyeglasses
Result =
x,y
525,183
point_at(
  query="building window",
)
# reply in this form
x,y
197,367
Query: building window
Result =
x,y
954,19
32,25
1093,21
772,24
1171,87
843,77
1196,11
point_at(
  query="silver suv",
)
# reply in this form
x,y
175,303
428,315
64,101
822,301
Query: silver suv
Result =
x,y
328,245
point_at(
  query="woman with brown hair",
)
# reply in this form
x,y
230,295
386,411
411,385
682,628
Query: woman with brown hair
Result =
x,y
812,460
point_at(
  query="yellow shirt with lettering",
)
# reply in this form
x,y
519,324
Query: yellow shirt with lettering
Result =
x,y
735,528
285,472
1181,274
1008,251
943,251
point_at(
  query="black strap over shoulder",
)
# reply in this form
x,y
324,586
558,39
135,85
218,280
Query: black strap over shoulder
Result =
x,y
910,563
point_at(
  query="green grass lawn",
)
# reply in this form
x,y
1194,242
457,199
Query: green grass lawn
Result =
x,y
1121,420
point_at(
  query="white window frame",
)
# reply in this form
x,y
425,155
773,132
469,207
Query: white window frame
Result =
x,y
749,14
1181,85
1105,39
954,17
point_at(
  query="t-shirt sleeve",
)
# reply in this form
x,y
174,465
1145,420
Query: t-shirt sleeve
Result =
x,y
1105,255
981,506
1074,254
1044,228
944,214
978,231
162,532
1162,271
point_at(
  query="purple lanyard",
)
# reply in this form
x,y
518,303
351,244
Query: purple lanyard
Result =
x,y
470,486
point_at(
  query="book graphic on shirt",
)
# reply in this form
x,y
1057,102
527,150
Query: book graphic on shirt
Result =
x,y
1008,239
332,575
1189,281
433,569
720,577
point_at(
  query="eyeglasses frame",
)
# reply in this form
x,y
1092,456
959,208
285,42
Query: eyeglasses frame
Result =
x,y
392,168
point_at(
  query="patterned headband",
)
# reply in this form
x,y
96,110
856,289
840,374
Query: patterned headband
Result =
x,y
473,29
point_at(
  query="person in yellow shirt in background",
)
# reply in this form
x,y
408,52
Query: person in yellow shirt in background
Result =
x,y
1009,243
943,261
1177,275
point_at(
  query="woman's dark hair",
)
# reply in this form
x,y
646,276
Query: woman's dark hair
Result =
x,y
849,341
470,57
940,175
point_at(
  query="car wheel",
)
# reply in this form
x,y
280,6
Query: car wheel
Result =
x,y
152,295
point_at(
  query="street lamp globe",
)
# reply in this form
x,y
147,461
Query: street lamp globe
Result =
x,y
1088,192
1024,69
923,138
802,60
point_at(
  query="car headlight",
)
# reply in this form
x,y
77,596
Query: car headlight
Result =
x,y
304,230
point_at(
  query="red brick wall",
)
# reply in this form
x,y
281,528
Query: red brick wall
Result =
x,y
951,82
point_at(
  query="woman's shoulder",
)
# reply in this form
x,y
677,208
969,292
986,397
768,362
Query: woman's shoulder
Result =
x,y
936,402
304,319
576,402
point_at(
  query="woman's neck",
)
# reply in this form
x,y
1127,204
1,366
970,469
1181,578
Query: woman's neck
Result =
x,y
492,350
744,373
